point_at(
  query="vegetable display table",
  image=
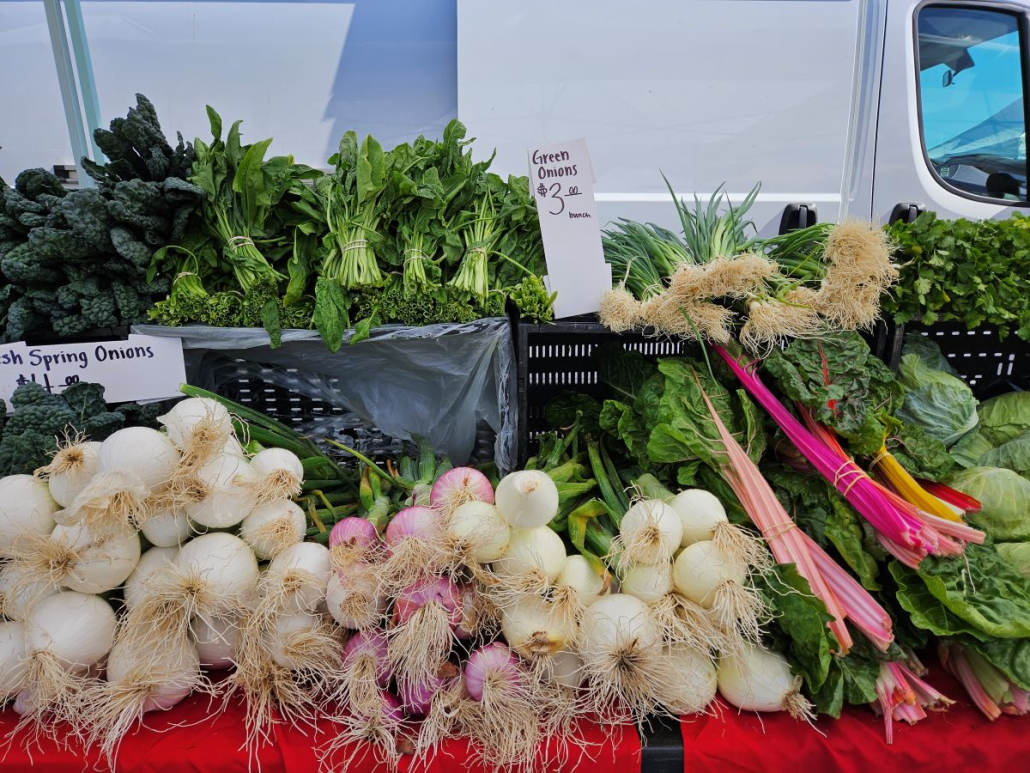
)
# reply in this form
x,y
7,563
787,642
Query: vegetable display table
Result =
x,y
187,739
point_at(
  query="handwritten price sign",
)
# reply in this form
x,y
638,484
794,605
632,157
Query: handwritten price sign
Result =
x,y
562,181
140,368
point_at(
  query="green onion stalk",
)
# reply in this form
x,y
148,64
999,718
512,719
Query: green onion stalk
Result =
x,y
643,257
799,253
709,233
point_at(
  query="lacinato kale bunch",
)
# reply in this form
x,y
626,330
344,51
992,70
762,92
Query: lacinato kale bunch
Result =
x,y
76,261
42,421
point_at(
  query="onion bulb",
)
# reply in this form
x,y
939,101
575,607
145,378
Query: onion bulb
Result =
x,y
21,587
71,469
533,559
84,562
26,507
143,451
578,575
279,475
354,599
620,644
701,568
272,527
12,659
216,639
152,561
648,582
219,495
533,627
65,635
565,668
168,528
690,681
478,531
756,679
650,533
187,417
296,579
528,499
700,512
458,486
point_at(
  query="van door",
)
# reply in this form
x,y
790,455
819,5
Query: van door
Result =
x,y
951,135
708,92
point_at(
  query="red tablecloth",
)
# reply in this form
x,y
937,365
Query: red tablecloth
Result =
x,y
960,739
185,739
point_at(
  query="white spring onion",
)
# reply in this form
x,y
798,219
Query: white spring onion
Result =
x,y
76,557
354,598
168,528
578,575
478,531
717,581
533,560
20,588
620,645
756,679
186,416
12,659
139,680
279,475
65,635
650,533
700,569
26,507
111,501
690,683
216,639
533,627
528,499
71,469
648,582
222,566
704,518
565,668
100,564
219,496
700,512
146,452
272,527
285,628
296,579
214,575
152,561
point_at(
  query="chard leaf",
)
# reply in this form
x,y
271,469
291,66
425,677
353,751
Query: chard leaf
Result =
x,y
978,594
803,618
1010,656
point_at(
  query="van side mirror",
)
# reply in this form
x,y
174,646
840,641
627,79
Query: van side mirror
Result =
x,y
798,216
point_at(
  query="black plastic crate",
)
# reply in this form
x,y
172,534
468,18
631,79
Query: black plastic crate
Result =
x,y
989,365
559,357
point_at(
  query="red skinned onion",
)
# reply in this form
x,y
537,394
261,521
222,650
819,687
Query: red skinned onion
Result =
x,y
356,532
372,644
458,486
441,590
494,663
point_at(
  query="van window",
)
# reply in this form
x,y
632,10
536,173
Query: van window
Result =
x,y
971,91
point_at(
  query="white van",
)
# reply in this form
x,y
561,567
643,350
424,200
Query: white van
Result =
x,y
869,108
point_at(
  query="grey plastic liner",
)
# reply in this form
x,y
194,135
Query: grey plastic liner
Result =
x,y
437,381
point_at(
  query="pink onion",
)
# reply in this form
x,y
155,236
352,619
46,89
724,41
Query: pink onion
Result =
x,y
458,486
415,521
373,644
417,697
352,531
440,590
494,662
469,625
393,711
